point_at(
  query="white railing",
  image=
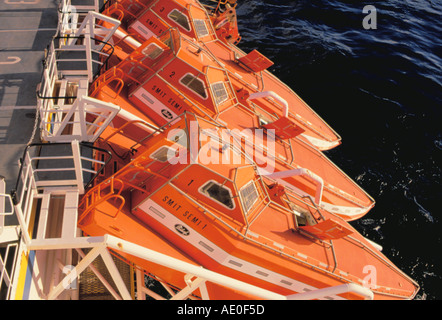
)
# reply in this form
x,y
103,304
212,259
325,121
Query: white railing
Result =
x,y
195,276
71,123
6,208
65,170
69,13
39,171
71,63
97,26
10,252
8,237
77,20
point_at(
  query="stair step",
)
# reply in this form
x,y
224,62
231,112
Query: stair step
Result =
x,y
44,213
59,214
69,229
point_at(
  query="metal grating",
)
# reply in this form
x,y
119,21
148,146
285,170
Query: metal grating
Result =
x,y
249,195
91,288
220,92
201,28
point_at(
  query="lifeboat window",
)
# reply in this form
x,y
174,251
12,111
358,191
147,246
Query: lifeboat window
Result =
x,y
180,18
249,195
201,28
153,51
220,92
163,153
194,84
219,193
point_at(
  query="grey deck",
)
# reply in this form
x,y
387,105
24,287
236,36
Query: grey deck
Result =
x,y
27,28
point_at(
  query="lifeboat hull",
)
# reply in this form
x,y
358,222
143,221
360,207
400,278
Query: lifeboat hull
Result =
x,y
228,219
167,223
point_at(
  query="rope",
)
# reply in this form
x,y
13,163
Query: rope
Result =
x,y
34,130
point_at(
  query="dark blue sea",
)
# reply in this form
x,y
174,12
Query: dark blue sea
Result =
x,y
381,90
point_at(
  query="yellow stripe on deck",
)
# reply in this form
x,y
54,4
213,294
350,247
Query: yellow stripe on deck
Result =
x,y
26,262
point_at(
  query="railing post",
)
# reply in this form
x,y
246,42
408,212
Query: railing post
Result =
x,y
274,95
88,44
192,285
116,276
301,171
76,154
3,211
2,204
22,223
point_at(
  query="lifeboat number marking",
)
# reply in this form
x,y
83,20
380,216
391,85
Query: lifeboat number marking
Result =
x,y
218,254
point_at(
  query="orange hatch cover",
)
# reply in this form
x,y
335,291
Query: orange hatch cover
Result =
x,y
256,61
327,230
284,128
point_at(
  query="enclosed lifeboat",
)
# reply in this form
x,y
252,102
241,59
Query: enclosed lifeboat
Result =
x,y
171,74
229,218
146,18
248,72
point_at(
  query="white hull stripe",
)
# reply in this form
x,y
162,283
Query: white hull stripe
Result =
x,y
194,238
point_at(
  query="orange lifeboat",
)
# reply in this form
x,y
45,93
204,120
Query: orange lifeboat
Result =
x,y
169,75
229,218
248,72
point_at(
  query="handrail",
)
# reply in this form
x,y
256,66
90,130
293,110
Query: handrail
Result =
x,y
6,208
366,293
266,94
27,159
127,38
5,271
3,197
112,74
102,244
52,51
85,120
90,201
304,172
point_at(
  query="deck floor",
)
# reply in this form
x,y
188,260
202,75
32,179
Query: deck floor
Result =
x,y
27,28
